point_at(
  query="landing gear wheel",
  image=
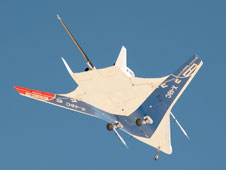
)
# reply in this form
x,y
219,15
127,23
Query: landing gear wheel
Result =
x,y
156,157
109,127
139,122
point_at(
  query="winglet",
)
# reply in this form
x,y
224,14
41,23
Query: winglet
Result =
x,y
67,66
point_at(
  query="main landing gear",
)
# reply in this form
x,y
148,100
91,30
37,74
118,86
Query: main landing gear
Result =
x,y
117,125
146,120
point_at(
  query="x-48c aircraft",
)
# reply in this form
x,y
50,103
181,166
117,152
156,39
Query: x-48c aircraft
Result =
x,y
140,107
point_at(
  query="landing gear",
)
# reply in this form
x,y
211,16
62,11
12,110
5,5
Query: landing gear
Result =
x,y
114,127
109,127
146,120
157,155
139,122
117,125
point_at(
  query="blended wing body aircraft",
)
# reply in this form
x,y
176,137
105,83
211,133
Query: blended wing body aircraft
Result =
x,y
140,107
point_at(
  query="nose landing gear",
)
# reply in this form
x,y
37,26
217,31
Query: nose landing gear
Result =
x,y
157,155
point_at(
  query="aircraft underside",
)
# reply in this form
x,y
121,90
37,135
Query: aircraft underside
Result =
x,y
140,107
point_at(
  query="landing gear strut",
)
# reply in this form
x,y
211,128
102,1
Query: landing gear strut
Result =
x,y
157,155
117,125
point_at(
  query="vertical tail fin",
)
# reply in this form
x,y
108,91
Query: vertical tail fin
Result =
x,y
121,60
121,63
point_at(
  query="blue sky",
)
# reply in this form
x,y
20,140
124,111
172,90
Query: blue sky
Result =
x,y
159,37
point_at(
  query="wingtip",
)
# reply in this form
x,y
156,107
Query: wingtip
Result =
x,y
18,89
35,94
67,66
188,138
21,90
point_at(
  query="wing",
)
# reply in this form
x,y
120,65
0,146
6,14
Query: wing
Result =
x,y
102,93
111,91
110,95
158,106
73,104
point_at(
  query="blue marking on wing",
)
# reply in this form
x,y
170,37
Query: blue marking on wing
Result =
x,y
155,106
83,107
73,104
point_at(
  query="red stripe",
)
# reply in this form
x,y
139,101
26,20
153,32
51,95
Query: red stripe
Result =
x,y
40,95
